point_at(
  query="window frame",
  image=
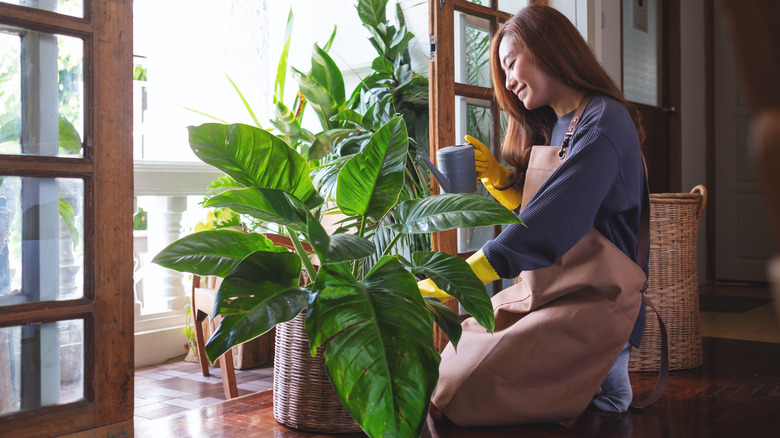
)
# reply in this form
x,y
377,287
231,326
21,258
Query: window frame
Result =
x,y
106,168
443,89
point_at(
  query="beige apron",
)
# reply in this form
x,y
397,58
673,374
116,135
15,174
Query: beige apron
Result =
x,y
558,330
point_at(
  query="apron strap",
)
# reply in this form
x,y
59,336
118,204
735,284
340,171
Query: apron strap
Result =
x,y
663,372
643,239
573,125
643,246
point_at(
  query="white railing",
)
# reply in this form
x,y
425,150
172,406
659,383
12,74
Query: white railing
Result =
x,y
161,296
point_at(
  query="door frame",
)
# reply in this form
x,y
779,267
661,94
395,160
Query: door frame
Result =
x,y
106,168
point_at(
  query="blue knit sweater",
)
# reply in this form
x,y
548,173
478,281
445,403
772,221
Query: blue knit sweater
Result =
x,y
600,185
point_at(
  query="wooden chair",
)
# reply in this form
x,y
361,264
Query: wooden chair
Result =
x,y
202,306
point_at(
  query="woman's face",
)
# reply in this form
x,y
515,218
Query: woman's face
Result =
x,y
524,78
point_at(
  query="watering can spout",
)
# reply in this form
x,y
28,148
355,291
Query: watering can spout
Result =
x,y
443,181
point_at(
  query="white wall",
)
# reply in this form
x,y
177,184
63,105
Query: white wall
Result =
x,y
351,50
313,24
604,36
576,11
188,59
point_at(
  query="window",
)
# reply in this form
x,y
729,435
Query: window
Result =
x,y
65,218
462,103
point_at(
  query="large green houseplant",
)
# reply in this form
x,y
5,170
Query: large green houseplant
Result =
x,y
380,353
347,120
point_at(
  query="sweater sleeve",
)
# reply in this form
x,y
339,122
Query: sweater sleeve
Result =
x,y
566,207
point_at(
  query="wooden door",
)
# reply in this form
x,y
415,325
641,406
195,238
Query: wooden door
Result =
x,y
743,244
66,301
651,81
752,30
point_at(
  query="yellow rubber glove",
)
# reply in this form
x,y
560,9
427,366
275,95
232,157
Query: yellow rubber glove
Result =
x,y
478,263
429,289
493,174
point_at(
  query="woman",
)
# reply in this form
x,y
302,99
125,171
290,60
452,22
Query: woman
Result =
x,y
564,330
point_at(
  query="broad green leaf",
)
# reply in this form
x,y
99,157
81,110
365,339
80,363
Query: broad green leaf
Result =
x,y
223,183
346,247
450,210
258,277
287,124
265,204
325,177
353,144
261,292
246,104
381,64
372,12
399,13
370,182
69,217
277,206
453,275
10,127
319,97
379,37
445,318
380,112
349,116
212,252
281,70
325,139
139,73
255,158
326,73
69,139
382,363
400,42
332,37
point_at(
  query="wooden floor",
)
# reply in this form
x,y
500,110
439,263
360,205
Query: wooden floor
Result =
x,y
179,386
735,393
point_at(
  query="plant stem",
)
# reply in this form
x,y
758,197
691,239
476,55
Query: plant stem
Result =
x,y
361,232
307,265
391,244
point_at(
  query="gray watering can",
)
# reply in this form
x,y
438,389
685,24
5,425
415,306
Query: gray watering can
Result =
x,y
457,172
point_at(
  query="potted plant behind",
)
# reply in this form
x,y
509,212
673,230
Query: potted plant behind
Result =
x,y
377,328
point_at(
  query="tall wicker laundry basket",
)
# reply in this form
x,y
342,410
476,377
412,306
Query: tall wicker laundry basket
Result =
x,y
673,284
303,395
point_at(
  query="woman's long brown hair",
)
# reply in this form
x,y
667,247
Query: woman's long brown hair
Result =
x,y
559,50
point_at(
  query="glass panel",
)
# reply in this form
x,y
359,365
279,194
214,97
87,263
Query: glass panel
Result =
x,y
41,93
74,8
511,6
140,107
41,365
472,56
473,118
41,239
504,122
486,3
641,51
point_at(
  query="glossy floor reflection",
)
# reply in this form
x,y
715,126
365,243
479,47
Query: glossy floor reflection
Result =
x,y
179,386
736,393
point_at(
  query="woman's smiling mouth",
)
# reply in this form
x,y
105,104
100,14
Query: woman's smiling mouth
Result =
x,y
520,88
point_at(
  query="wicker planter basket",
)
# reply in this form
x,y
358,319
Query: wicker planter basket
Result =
x,y
673,284
303,395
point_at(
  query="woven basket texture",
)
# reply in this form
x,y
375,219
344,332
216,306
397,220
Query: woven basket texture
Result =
x,y
673,285
303,395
